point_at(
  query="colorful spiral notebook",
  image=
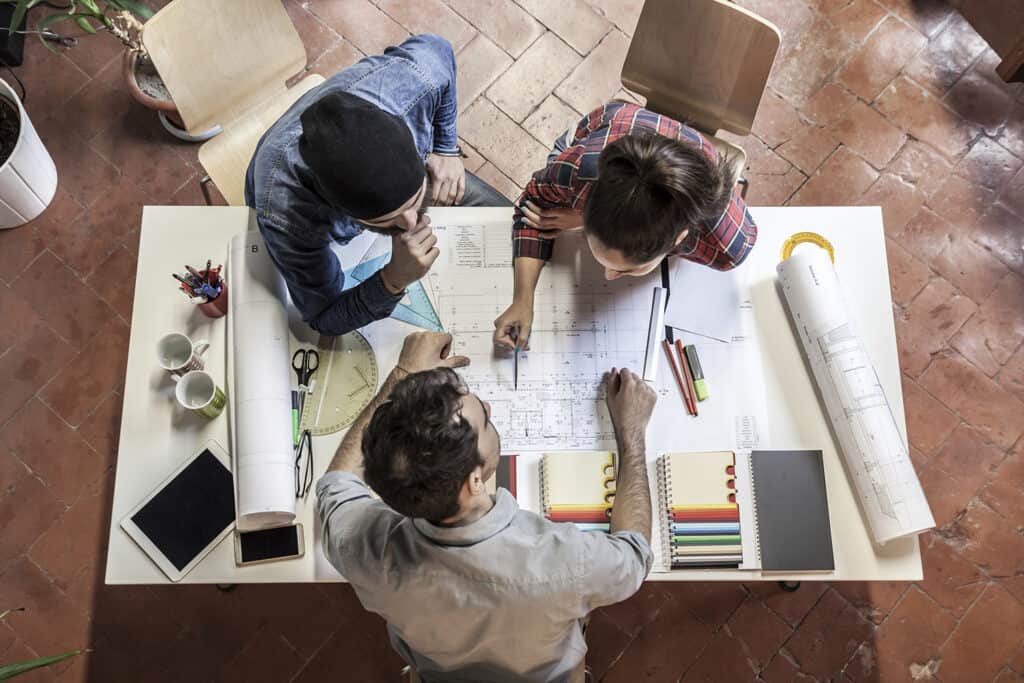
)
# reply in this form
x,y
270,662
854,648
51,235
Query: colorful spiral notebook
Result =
x,y
578,487
700,519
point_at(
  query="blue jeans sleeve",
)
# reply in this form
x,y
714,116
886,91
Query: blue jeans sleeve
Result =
x,y
316,282
434,55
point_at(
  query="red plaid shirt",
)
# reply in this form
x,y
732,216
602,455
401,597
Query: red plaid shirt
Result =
x,y
566,181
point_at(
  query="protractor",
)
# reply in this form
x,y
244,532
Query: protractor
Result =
x,y
345,382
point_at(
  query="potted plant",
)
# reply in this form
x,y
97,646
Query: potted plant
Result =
x,y
28,176
122,19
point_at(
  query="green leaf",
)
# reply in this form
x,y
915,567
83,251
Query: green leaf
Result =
x,y
91,6
86,26
11,670
138,8
19,14
53,19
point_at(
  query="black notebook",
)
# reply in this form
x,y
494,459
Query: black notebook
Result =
x,y
791,507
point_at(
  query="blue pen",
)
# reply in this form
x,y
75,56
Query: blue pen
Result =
x,y
209,291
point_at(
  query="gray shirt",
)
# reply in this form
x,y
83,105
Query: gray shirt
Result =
x,y
497,600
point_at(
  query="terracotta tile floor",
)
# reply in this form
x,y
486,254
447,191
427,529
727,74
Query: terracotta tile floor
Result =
x,y
891,102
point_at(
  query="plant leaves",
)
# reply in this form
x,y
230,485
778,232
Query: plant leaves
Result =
x,y
11,670
86,26
91,6
19,14
137,7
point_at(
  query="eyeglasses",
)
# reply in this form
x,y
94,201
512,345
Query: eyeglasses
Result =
x,y
304,466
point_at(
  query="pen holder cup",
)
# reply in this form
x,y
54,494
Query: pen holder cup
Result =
x,y
216,308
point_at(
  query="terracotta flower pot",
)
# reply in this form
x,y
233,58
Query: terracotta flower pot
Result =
x,y
144,98
160,102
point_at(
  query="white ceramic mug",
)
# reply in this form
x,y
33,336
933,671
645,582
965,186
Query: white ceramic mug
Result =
x,y
198,391
177,354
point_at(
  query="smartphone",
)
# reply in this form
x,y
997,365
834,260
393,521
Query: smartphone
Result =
x,y
268,545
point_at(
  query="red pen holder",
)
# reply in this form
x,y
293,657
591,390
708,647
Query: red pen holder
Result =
x,y
216,308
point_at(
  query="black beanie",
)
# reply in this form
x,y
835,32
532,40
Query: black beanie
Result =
x,y
364,159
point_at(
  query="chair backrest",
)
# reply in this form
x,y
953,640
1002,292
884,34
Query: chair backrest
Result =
x,y
702,61
219,59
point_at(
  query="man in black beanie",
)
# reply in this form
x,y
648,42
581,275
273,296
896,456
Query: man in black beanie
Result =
x,y
369,149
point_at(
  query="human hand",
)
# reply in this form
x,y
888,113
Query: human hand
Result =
x,y
428,350
550,219
630,403
448,178
412,254
512,328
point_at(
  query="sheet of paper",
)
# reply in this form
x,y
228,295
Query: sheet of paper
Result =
x,y
707,302
876,456
583,326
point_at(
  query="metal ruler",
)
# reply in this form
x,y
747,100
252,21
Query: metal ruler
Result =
x,y
345,383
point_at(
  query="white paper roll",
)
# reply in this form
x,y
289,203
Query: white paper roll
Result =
x,y
876,457
260,391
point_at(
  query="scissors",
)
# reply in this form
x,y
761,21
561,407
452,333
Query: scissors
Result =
x,y
304,363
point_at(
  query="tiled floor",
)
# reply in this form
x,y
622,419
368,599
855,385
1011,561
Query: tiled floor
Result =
x,y
891,102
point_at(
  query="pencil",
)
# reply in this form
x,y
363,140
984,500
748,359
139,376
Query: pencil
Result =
x,y
679,378
689,380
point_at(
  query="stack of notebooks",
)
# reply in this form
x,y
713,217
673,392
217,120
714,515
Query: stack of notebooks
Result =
x,y
768,510
765,510
578,487
701,519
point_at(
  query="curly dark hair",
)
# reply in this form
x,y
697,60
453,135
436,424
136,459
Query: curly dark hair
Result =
x,y
418,449
649,189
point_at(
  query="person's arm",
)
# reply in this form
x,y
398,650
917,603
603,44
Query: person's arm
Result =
x,y
315,281
421,351
630,404
433,56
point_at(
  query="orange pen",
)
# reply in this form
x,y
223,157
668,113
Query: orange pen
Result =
x,y
679,378
689,380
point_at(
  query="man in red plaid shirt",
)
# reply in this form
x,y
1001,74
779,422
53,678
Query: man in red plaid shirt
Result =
x,y
641,186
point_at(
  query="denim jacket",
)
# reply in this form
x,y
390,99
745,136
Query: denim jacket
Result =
x,y
415,81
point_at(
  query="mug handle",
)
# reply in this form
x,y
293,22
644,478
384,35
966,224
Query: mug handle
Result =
x,y
201,346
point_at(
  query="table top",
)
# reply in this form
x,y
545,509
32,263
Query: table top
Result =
x,y
157,436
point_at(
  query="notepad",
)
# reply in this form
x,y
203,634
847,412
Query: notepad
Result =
x,y
700,520
790,505
578,487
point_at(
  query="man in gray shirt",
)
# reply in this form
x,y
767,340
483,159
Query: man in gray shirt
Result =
x,y
472,587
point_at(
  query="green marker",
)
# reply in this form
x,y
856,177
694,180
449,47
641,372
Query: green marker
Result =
x,y
295,418
699,386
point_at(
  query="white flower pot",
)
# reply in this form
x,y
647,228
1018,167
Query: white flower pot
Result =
x,y
28,179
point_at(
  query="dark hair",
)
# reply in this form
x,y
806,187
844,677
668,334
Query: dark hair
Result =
x,y
649,189
418,449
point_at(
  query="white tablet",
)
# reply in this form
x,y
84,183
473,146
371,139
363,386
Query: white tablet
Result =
x,y
188,514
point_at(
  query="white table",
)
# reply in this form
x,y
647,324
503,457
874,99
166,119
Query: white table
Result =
x,y
156,436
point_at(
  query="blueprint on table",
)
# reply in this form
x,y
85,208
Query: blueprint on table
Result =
x,y
583,326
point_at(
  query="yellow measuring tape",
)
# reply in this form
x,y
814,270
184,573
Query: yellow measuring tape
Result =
x,y
807,238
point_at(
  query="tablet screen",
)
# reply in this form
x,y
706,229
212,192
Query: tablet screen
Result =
x,y
189,512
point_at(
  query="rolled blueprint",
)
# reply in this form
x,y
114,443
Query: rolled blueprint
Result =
x,y
260,391
888,490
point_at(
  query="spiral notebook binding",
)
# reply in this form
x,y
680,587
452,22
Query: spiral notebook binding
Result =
x,y
664,486
752,492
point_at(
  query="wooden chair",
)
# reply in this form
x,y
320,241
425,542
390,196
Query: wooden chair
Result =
x,y
705,62
227,63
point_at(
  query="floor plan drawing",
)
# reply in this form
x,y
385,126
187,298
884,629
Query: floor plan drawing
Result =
x,y
583,326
